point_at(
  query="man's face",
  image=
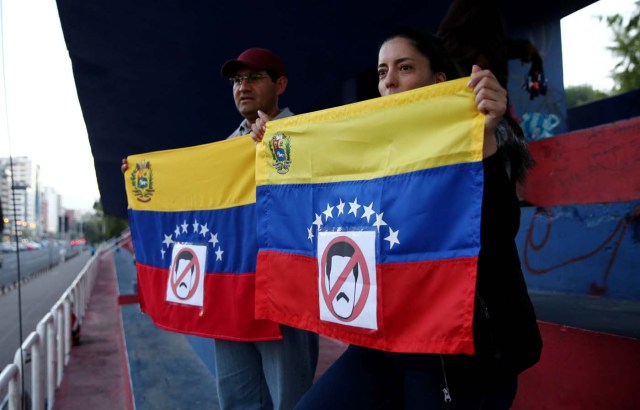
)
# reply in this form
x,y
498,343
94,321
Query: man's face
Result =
x,y
345,298
258,94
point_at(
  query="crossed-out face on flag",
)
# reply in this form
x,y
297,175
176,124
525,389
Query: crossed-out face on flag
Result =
x,y
369,220
192,218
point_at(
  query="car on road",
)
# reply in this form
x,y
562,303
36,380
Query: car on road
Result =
x,y
32,245
7,247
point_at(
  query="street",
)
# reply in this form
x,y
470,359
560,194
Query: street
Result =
x,y
38,297
31,261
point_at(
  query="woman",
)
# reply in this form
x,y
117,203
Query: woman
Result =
x,y
506,336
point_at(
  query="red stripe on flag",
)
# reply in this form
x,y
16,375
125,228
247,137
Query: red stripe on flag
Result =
x,y
423,307
228,311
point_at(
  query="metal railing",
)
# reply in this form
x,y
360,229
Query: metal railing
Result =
x,y
48,348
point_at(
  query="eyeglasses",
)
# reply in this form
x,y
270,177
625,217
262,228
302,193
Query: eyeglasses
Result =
x,y
249,78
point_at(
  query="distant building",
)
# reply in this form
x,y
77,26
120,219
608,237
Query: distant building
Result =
x,y
20,196
51,211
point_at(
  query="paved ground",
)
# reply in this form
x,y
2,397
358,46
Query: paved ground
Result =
x,y
163,372
96,378
125,362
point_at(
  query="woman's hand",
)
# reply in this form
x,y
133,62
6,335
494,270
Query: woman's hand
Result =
x,y
259,127
491,100
125,165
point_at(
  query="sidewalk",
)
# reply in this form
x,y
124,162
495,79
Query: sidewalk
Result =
x,y
95,377
124,361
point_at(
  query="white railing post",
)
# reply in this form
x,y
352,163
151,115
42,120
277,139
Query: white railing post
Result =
x,y
66,336
51,360
38,394
10,377
59,316
75,301
82,296
31,346
36,366
18,392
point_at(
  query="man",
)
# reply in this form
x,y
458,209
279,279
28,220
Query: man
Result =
x,y
285,366
259,79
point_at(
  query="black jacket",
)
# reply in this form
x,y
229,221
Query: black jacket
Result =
x,y
506,335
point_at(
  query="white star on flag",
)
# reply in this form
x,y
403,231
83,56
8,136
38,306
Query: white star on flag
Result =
x,y
167,240
368,211
340,207
353,207
392,238
379,222
328,213
318,221
203,230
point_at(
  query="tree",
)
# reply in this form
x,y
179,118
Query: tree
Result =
x,y
93,230
114,225
101,227
582,94
626,74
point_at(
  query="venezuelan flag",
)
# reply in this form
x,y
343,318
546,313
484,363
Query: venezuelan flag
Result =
x,y
369,220
192,218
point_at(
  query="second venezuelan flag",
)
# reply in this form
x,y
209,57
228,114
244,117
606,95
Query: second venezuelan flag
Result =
x,y
369,220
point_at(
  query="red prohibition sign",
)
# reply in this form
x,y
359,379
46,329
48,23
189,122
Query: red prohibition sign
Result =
x,y
181,276
356,258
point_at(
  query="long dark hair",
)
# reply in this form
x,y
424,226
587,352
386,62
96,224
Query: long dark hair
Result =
x,y
509,135
429,46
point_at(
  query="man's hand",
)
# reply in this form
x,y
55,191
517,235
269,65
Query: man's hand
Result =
x,y
259,127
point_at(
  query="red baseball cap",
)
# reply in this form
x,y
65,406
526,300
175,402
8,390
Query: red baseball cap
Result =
x,y
254,59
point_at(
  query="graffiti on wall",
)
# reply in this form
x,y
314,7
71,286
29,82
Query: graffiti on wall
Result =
x,y
538,248
537,125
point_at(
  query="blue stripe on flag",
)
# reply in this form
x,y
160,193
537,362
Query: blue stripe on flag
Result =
x,y
424,215
229,234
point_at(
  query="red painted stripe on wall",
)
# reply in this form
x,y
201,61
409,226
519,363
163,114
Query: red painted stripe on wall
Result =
x,y
595,165
581,369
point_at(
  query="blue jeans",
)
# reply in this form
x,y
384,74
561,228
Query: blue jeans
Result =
x,y
256,375
368,379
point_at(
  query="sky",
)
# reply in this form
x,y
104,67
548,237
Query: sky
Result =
x,y
584,40
45,123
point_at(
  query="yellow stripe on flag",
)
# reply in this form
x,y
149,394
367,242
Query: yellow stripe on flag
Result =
x,y
377,137
210,176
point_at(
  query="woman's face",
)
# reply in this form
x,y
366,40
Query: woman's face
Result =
x,y
401,67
